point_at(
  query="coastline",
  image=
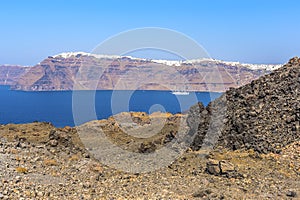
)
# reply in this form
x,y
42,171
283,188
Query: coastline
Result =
x,y
250,159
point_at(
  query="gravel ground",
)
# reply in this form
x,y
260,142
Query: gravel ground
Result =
x,y
35,167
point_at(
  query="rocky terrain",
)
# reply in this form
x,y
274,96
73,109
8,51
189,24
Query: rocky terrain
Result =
x,y
84,71
263,115
244,145
39,161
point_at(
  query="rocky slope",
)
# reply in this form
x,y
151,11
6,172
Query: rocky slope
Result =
x,y
115,72
263,115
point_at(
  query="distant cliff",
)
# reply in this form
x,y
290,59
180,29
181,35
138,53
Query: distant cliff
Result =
x,y
102,72
10,74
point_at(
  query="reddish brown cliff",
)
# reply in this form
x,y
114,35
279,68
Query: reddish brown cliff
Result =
x,y
126,73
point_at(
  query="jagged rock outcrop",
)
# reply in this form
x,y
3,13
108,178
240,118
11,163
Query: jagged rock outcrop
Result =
x,y
263,115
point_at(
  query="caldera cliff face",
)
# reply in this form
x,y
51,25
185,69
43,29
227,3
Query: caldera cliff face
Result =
x,y
100,72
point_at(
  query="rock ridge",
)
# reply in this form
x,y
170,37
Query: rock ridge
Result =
x,y
263,115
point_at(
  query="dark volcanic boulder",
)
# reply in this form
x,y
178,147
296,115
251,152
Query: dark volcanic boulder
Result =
x,y
197,121
210,121
263,115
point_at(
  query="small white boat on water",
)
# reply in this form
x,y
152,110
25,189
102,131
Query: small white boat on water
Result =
x,y
180,93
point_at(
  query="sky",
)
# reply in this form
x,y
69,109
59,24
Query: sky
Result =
x,y
250,31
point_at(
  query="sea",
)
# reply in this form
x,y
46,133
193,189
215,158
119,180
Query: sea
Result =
x,y
62,108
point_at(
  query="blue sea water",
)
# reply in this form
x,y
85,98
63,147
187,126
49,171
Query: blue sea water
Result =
x,y
57,106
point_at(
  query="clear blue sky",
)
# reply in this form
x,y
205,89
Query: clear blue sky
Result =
x,y
257,31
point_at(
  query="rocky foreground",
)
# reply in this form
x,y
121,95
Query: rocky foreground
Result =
x,y
39,161
244,145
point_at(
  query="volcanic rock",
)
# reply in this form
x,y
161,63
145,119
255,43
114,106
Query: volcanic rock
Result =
x,y
41,171
263,115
